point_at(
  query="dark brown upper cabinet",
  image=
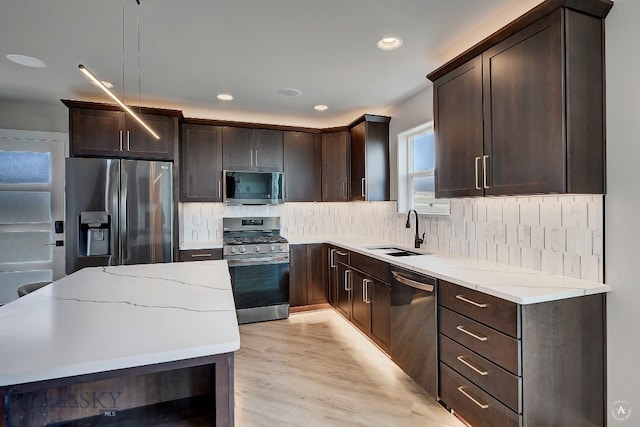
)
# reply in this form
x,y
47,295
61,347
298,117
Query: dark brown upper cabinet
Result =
x,y
201,163
335,166
370,158
103,130
458,99
302,166
522,112
252,149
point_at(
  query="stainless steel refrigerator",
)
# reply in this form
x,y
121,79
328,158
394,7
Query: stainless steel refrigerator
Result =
x,y
117,212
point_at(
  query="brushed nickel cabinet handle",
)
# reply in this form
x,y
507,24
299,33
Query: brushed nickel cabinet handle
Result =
x,y
128,141
251,157
484,171
471,398
332,261
365,291
471,334
477,159
256,158
219,189
346,281
121,140
342,253
362,189
468,301
200,255
461,359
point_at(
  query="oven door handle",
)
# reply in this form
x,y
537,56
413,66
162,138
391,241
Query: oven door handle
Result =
x,y
258,261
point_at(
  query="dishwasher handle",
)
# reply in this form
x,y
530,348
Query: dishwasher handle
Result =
x,y
414,284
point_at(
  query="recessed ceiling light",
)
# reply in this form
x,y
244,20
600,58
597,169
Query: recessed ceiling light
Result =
x,y
224,97
27,61
321,107
289,91
389,42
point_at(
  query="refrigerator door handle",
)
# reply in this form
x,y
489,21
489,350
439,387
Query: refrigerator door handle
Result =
x,y
113,210
124,217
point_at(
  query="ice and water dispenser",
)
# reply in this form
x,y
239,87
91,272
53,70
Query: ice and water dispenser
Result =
x,y
94,233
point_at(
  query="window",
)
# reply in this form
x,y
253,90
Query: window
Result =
x,y
416,152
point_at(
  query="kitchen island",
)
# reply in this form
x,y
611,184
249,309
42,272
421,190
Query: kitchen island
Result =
x,y
105,344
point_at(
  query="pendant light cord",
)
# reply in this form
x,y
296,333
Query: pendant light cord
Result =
x,y
123,52
139,78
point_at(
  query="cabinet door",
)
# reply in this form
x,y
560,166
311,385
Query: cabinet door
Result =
x,y
458,126
297,275
360,297
267,150
524,110
201,163
139,143
380,297
358,160
302,167
335,161
344,290
237,149
96,132
317,291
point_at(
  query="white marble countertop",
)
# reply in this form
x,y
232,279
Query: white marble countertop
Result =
x,y
210,244
106,318
519,285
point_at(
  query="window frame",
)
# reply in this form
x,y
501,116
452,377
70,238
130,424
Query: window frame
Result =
x,y
406,174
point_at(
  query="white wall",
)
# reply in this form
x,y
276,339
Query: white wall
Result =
x,y
33,116
622,206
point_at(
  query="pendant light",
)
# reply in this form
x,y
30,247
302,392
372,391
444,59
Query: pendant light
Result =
x,y
94,79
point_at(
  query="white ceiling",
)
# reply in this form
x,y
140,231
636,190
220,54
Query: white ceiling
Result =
x,y
191,50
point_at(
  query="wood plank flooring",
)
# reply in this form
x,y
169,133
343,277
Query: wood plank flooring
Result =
x,y
316,369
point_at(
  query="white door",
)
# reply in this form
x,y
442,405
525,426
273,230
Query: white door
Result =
x,y
31,201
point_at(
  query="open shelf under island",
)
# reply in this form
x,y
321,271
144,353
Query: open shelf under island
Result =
x,y
109,345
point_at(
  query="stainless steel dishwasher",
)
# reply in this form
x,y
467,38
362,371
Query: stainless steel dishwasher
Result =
x,y
414,332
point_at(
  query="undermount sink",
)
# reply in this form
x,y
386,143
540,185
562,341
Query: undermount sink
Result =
x,y
394,251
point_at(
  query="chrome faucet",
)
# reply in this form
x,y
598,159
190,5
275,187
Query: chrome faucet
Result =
x,y
418,241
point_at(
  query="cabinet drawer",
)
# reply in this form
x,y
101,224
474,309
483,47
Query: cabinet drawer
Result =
x,y
499,348
472,403
498,313
371,266
501,384
339,255
200,254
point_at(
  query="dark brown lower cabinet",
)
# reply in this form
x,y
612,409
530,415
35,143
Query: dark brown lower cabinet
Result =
x,y
371,308
506,364
307,275
200,254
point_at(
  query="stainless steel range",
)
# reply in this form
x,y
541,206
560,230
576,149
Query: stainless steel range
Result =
x,y
258,258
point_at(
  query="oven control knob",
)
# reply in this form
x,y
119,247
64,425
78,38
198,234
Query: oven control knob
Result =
x,y
257,248
243,250
232,250
281,248
272,248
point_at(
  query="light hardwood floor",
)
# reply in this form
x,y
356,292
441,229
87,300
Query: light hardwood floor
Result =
x,y
315,369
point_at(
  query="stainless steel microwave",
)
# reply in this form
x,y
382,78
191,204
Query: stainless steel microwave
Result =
x,y
253,188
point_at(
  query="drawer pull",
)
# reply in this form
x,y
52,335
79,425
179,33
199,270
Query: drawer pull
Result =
x,y
471,398
477,304
461,359
342,253
478,337
200,255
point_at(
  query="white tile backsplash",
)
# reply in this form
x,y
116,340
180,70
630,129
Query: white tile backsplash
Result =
x,y
554,234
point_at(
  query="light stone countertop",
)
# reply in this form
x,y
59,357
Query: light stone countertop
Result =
x,y
104,318
519,285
